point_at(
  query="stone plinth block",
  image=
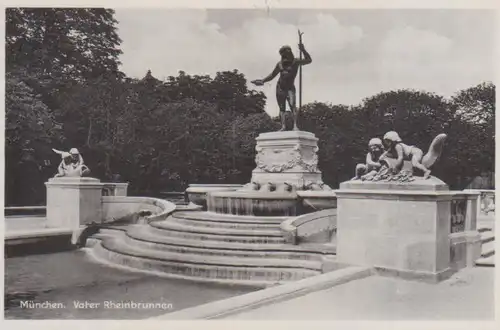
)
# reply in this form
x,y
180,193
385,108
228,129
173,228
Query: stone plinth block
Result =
x,y
287,157
121,189
399,229
73,202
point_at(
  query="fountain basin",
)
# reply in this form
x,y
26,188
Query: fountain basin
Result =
x,y
197,193
256,203
318,200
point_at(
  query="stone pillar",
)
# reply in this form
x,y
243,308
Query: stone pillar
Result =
x,y
287,157
73,202
121,189
400,229
465,239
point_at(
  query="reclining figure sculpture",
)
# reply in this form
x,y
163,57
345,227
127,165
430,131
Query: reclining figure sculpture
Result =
x,y
71,164
385,159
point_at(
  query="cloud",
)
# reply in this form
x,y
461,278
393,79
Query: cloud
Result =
x,y
174,40
349,62
415,58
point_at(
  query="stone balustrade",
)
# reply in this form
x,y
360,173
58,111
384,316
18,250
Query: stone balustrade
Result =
x,y
129,209
315,227
486,200
465,240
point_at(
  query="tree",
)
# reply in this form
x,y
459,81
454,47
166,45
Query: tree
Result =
x,y
476,104
240,135
30,131
227,90
70,43
473,133
60,46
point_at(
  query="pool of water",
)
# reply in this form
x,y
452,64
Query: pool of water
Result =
x,y
68,285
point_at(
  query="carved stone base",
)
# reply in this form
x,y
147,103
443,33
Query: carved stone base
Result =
x,y
288,157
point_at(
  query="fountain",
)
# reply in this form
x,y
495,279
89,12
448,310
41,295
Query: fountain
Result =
x,y
286,171
235,233
258,233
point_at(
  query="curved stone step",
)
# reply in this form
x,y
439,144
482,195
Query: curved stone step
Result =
x,y
117,251
142,238
206,216
238,231
203,234
486,261
118,244
224,224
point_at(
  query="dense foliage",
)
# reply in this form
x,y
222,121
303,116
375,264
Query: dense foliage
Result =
x,y
64,89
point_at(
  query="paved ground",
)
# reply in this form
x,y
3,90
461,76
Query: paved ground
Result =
x,y
469,295
68,277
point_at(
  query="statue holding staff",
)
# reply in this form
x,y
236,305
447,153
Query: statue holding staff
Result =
x,y
287,68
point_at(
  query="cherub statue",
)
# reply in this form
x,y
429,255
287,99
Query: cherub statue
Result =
x,y
71,164
373,165
76,156
395,148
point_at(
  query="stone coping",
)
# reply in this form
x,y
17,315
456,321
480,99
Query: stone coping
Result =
x,y
431,184
166,206
480,190
281,135
82,182
21,208
395,194
317,193
118,184
135,199
289,227
36,233
214,185
238,304
205,189
305,218
258,195
74,182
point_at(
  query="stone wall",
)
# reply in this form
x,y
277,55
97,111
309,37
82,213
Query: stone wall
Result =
x,y
115,208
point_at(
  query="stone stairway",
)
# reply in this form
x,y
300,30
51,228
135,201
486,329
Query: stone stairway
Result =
x,y
486,227
487,248
200,245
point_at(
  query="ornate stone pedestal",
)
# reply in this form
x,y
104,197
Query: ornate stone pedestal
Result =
x,y
288,157
73,202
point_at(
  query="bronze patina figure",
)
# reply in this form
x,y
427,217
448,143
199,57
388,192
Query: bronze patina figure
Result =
x,y
287,68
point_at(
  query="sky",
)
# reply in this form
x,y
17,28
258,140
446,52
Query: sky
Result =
x,y
356,53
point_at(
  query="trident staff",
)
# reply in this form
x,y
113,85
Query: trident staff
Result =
x,y
300,72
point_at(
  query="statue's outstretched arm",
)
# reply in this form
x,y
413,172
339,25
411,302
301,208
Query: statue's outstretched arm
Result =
x,y
272,75
58,151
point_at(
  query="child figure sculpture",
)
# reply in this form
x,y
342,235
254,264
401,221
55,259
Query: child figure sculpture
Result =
x,y
395,148
71,164
373,165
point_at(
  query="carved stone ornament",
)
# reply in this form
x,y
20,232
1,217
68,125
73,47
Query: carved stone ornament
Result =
x,y
280,160
386,174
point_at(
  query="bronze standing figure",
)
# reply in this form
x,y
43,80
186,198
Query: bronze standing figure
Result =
x,y
287,68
